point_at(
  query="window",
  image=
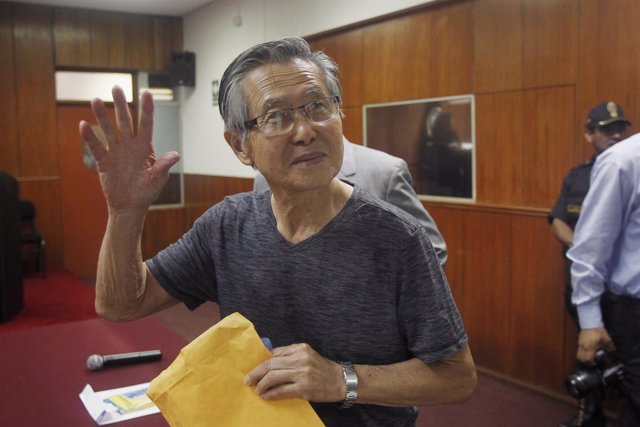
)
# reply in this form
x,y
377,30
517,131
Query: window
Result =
x,y
86,85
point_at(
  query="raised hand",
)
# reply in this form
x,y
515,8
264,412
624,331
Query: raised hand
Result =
x,y
131,175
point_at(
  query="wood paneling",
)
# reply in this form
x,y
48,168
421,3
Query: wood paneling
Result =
x,y
608,68
346,50
139,34
525,145
35,91
161,228
549,42
537,305
352,124
423,55
498,140
167,39
497,59
486,302
72,34
108,40
548,144
10,157
523,50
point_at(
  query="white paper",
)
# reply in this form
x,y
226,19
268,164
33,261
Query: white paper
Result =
x,y
104,412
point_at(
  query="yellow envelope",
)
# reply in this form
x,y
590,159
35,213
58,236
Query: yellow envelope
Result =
x,y
204,386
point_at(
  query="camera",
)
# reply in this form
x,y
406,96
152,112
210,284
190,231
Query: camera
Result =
x,y
606,372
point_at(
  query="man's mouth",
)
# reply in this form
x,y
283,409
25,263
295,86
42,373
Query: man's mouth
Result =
x,y
307,158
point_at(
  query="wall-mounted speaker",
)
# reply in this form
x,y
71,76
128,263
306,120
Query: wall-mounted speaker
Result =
x,y
183,69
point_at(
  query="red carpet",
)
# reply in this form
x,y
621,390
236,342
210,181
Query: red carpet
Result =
x,y
60,297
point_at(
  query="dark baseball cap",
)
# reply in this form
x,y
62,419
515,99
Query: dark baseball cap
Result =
x,y
605,113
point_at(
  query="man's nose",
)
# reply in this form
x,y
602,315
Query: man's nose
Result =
x,y
303,132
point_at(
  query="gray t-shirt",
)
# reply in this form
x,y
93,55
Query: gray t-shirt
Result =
x,y
367,288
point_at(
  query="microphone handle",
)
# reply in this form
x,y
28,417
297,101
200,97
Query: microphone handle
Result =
x,y
132,358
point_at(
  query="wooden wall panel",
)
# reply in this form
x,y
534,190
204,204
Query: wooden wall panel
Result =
x,y
352,125
537,307
139,32
487,293
108,40
549,42
72,35
161,228
497,58
608,67
534,45
498,141
416,56
506,274
346,50
10,157
380,53
548,144
525,144
35,90
167,39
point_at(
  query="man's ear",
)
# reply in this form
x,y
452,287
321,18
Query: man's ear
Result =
x,y
241,150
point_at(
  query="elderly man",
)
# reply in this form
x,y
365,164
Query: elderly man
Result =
x,y
347,287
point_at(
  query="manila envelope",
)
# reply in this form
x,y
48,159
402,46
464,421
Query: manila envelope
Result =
x,y
204,386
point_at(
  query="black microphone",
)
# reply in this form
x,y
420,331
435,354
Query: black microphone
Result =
x,y
96,362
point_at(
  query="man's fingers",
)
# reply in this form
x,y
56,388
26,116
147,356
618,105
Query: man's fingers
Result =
x,y
166,161
95,145
276,384
123,115
145,127
100,112
289,349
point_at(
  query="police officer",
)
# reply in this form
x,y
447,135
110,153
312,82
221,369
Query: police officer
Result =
x,y
605,126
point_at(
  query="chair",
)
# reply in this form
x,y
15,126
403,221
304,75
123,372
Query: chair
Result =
x,y
29,234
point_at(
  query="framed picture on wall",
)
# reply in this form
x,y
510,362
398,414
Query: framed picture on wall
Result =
x,y
436,137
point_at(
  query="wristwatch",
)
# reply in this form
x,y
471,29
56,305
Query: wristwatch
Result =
x,y
351,384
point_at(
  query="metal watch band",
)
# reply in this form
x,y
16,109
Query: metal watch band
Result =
x,y
351,384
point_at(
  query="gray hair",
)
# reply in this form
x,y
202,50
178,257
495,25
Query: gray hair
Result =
x,y
232,102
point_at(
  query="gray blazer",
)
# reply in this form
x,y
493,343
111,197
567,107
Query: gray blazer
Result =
x,y
386,177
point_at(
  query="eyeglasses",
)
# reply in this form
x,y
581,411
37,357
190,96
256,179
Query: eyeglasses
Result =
x,y
279,122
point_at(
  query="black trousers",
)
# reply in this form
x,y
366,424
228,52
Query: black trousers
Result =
x,y
621,316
